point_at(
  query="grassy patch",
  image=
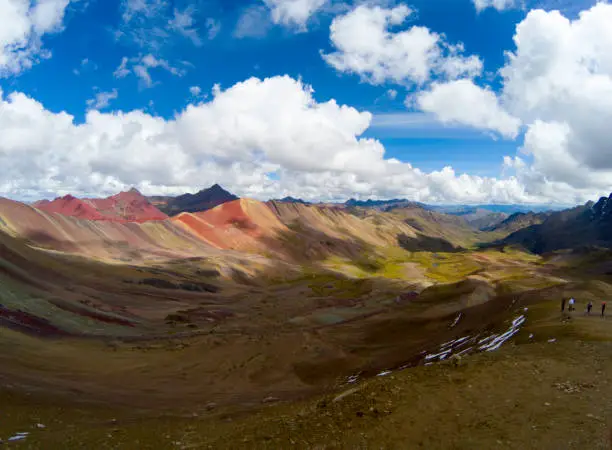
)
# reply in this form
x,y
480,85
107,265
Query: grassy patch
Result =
x,y
447,267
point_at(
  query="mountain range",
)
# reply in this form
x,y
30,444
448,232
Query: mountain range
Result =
x,y
582,226
538,231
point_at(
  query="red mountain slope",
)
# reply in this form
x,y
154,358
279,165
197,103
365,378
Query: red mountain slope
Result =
x,y
236,225
70,206
130,206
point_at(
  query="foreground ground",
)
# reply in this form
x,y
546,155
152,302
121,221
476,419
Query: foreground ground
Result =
x,y
547,389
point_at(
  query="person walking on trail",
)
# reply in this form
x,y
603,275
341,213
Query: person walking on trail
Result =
x,y
571,304
603,309
563,304
589,307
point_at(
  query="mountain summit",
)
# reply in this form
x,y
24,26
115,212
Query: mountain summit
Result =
x,y
200,201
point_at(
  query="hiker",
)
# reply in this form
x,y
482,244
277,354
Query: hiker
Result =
x,y
563,304
603,309
571,304
589,307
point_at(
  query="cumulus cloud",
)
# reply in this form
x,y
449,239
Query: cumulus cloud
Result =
x,y
23,24
195,90
561,72
257,19
558,84
239,137
366,46
102,99
461,101
499,5
294,13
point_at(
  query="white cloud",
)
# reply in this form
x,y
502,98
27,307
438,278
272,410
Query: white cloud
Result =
x,y
294,13
392,94
213,28
141,67
499,5
558,84
23,24
148,29
153,25
184,23
559,81
134,9
195,91
366,46
461,101
85,66
254,22
149,62
102,99
122,71
238,137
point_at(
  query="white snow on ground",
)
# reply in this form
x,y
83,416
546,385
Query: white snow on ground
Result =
x,y
467,344
496,341
463,346
457,319
352,379
18,437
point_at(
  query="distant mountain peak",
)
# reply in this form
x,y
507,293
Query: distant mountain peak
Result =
x,y
603,207
290,199
383,205
203,200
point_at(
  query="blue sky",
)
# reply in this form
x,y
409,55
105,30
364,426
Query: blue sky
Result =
x,y
90,35
226,42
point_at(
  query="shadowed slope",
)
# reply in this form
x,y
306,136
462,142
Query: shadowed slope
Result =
x,y
201,201
518,221
587,225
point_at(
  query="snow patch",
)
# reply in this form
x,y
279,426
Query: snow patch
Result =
x,y
352,379
18,437
467,344
457,319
